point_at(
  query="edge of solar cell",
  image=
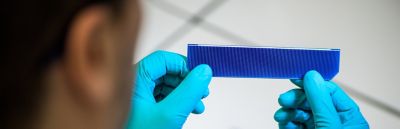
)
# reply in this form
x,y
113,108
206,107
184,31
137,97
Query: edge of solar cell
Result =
x,y
273,47
264,62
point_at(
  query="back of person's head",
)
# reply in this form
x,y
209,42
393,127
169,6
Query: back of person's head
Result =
x,y
75,36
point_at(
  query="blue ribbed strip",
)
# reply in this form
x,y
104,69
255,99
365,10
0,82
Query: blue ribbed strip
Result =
x,y
264,62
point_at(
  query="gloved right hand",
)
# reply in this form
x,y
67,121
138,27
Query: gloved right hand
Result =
x,y
166,92
319,104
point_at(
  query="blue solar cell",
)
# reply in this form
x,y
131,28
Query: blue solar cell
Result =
x,y
264,62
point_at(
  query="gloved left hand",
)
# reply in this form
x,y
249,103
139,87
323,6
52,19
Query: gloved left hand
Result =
x,y
319,104
166,92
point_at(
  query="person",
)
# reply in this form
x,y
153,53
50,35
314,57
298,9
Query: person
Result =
x,y
67,64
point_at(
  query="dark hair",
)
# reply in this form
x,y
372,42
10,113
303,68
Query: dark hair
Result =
x,y
32,36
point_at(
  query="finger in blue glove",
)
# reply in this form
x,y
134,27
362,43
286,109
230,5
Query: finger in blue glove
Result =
x,y
166,92
328,105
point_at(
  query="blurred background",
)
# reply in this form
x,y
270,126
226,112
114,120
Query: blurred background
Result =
x,y
366,31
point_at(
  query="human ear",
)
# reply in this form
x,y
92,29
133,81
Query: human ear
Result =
x,y
87,56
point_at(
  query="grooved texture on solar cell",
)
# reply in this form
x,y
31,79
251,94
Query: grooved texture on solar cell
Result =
x,y
264,62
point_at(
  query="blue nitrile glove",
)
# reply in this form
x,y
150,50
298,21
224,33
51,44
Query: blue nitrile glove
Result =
x,y
319,104
166,92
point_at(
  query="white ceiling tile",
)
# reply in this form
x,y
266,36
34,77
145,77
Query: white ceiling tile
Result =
x,y
191,6
378,119
157,25
196,36
238,103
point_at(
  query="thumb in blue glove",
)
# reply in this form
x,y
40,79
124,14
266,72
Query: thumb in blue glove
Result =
x,y
319,104
166,92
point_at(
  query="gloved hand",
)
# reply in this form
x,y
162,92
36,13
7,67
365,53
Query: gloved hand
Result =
x,y
319,104
166,92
